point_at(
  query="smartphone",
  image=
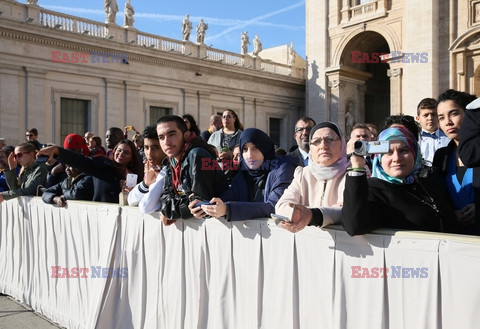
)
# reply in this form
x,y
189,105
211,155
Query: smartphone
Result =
x,y
280,217
202,203
41,159
131,180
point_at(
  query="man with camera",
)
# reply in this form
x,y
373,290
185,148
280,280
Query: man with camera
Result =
x,y
187,175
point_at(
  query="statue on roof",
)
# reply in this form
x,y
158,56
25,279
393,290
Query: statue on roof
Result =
x,y
32,2
129,12
201,28
244,42
111,9
257,46
291,55
186,28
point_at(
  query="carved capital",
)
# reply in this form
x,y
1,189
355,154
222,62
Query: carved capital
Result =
x,y
394,73
336,84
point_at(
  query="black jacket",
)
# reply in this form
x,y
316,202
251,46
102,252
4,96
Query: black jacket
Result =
x,y
372,203
469,147
199,176
440,164
298,156
81,188
106,176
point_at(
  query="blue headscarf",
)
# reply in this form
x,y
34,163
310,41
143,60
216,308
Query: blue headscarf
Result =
x,y
398,134
265,145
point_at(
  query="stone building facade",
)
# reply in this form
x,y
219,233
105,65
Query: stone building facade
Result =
x,y
428,47
63,74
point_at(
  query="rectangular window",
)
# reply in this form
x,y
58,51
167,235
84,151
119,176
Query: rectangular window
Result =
x,y
74,116
157,112
275,127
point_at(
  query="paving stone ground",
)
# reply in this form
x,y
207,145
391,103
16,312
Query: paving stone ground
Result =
x,y
15,315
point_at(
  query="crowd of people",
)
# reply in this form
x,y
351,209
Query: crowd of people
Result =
x,y
427,178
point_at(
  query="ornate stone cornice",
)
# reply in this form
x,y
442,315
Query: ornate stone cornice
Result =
x,y
149,56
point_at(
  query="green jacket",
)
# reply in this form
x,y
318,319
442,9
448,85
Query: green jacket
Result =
x,y
33,176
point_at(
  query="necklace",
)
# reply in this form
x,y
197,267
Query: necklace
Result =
x,y
428,200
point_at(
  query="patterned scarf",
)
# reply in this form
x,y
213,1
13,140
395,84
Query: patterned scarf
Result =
x,y
405,136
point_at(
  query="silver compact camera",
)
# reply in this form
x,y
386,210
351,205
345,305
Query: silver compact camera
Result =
x,y
376,147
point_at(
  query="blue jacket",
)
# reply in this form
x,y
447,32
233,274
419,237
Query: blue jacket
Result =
x,y
3,183
240,203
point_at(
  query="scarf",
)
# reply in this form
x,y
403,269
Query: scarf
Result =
x,y
335,170
405,136
258,177
177,168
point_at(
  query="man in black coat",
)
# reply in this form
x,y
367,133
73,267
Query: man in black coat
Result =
x,y
302,132
192,169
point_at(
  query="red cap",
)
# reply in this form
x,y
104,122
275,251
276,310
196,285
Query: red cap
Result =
x,y
75,141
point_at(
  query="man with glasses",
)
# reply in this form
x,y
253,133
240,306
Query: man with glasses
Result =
x,y
302,132
31,174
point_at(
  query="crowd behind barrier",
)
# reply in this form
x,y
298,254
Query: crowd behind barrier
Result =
x,y
127,270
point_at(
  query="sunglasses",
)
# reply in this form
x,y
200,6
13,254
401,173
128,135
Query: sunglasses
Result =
x,y
19,155
28,135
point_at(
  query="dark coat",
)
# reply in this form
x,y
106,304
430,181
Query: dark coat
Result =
x,y
242,204
440,163
81,189
469,147
199,176
106,176
372,203
298,157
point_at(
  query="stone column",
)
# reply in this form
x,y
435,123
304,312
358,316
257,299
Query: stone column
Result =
x,y
114,104
204,110
249,115
190,102
35,103
335,89
345,12
395,75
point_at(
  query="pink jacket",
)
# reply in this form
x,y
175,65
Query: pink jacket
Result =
x,y
305,189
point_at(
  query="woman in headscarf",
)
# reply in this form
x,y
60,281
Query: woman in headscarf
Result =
x,y
395,196
258,185
315,195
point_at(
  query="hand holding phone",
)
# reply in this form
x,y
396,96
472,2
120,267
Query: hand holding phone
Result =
x,y
280,217
202,203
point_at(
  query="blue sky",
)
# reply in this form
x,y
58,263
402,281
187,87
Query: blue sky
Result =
x,y
276,22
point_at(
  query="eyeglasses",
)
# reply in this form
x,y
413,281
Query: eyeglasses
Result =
x,y
19,155
326,140
302,129
28,135
227,116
